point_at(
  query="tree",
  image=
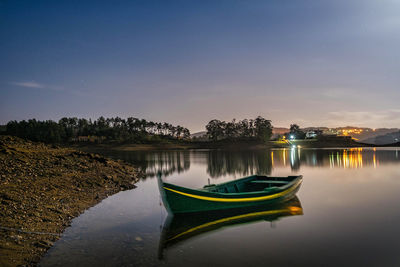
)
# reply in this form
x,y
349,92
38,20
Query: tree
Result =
x,y
260,129
186,133
294,128
215,129
263,129
231,129
296,132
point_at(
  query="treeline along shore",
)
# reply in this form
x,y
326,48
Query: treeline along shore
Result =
x,y
140,134
132,130
137,131
42,187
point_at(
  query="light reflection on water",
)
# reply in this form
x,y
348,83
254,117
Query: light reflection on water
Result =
x,y
349,198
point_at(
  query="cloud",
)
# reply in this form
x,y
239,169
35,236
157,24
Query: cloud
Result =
x,y
33,84
30,84
36,85
55,88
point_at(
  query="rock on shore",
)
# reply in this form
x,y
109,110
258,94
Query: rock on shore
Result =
x,y
42,187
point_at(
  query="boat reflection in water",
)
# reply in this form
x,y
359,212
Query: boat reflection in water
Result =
x,y
180,227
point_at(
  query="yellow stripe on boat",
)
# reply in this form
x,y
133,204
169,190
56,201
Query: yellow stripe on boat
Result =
x,y
247,199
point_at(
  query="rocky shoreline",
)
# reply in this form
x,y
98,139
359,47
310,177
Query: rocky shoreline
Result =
x,y
43,187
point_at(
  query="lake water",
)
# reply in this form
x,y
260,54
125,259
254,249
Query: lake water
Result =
x,y
347,213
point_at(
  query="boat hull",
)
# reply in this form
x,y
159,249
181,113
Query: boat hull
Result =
x,y
181,200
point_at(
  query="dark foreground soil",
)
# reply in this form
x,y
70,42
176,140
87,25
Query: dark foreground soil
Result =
x,y
42,188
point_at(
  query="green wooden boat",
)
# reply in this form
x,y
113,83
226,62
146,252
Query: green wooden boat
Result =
x,y
179,227
244,192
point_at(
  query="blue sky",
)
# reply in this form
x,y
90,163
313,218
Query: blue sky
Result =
x,y
315,63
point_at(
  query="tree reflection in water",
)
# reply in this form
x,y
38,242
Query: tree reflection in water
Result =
x,y
243,163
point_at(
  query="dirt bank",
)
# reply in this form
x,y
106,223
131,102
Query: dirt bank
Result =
x,y
43,187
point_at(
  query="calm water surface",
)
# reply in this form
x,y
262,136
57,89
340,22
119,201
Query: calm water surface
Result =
x,y
349,215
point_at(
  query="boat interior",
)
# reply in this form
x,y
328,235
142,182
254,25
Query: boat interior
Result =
x,y
250,184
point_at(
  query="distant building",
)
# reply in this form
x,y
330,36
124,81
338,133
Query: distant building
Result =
x,y
313,134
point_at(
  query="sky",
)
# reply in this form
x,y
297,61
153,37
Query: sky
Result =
x,y
314,63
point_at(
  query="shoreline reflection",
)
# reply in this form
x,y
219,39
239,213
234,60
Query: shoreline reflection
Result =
x,y
244,163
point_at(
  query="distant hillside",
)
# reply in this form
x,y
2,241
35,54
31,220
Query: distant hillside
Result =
x,y
364,134
361,133
279,130
389,138
198,134
367,135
